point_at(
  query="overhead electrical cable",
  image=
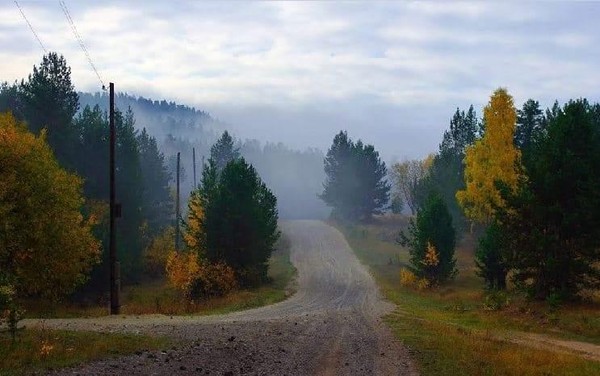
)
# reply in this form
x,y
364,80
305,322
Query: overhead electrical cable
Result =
x,y
31,27
80,41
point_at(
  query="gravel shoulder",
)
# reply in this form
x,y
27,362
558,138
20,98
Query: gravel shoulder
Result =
x,y
330,326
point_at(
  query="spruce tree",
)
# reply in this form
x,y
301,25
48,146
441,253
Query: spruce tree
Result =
x,y
224,151
431,230
356,185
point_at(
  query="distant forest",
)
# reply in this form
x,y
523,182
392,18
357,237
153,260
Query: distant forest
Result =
x,y
296,177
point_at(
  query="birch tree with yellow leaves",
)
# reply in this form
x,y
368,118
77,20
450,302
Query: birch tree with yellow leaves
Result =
x,y
46,245
494,158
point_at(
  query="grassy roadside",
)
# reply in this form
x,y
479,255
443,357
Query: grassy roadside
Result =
x,y
157,297
448,328
43,349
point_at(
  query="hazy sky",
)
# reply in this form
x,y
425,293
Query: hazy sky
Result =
x,y
391,73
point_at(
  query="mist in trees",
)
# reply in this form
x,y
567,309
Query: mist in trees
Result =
x,y
443,172
48,103
224,151
149,134
295,177
355,185
179,128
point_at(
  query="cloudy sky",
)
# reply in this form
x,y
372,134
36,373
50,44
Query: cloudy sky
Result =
x,y
391,73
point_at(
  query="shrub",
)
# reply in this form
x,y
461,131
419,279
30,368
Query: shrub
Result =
x,y
197,278
10,312
431,241
182,270
213,280
495,300
407,278
157,252
490,258
423,284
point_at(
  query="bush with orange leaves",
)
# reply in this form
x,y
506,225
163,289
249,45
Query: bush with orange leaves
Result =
x,y
196,278
182,269
214,279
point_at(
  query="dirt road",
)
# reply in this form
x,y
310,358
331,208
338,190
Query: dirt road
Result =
x,y
331,326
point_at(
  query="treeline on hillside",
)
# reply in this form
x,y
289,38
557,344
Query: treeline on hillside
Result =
x,y
526,182
47,101
179,128
55,160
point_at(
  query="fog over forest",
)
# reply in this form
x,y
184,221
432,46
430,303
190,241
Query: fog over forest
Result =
x,y
360,188
295,175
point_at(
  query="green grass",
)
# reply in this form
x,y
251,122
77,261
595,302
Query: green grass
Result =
x,y
448,328
44,350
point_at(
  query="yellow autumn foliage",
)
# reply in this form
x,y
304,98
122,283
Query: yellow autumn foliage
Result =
x,y
407,278
410,280
199,278
492,158
46,245
214,279
423,284
194,233
431,256
182,270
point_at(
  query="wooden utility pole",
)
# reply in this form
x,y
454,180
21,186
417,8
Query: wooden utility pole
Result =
x,y
194,164
177,235
114,265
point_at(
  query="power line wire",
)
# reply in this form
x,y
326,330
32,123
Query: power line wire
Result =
x,y
80,41
31,27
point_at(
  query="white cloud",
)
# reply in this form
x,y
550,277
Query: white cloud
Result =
x,y
403,55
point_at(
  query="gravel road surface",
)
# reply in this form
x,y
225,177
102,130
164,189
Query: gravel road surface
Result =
x,y
330,326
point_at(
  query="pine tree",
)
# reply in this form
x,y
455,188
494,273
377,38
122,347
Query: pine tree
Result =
x,y
355,185
431,234
130,192
552,222
529,124
224,151
156,199
50,101
446,175
240,220
490,257
341,179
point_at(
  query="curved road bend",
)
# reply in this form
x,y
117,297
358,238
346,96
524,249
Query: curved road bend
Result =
x,y
330,326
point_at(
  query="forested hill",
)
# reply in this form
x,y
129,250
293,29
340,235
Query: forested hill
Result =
x,y
160,117
295,177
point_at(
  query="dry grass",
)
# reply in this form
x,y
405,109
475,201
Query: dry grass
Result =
x,y
157,297
39,349
448,327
